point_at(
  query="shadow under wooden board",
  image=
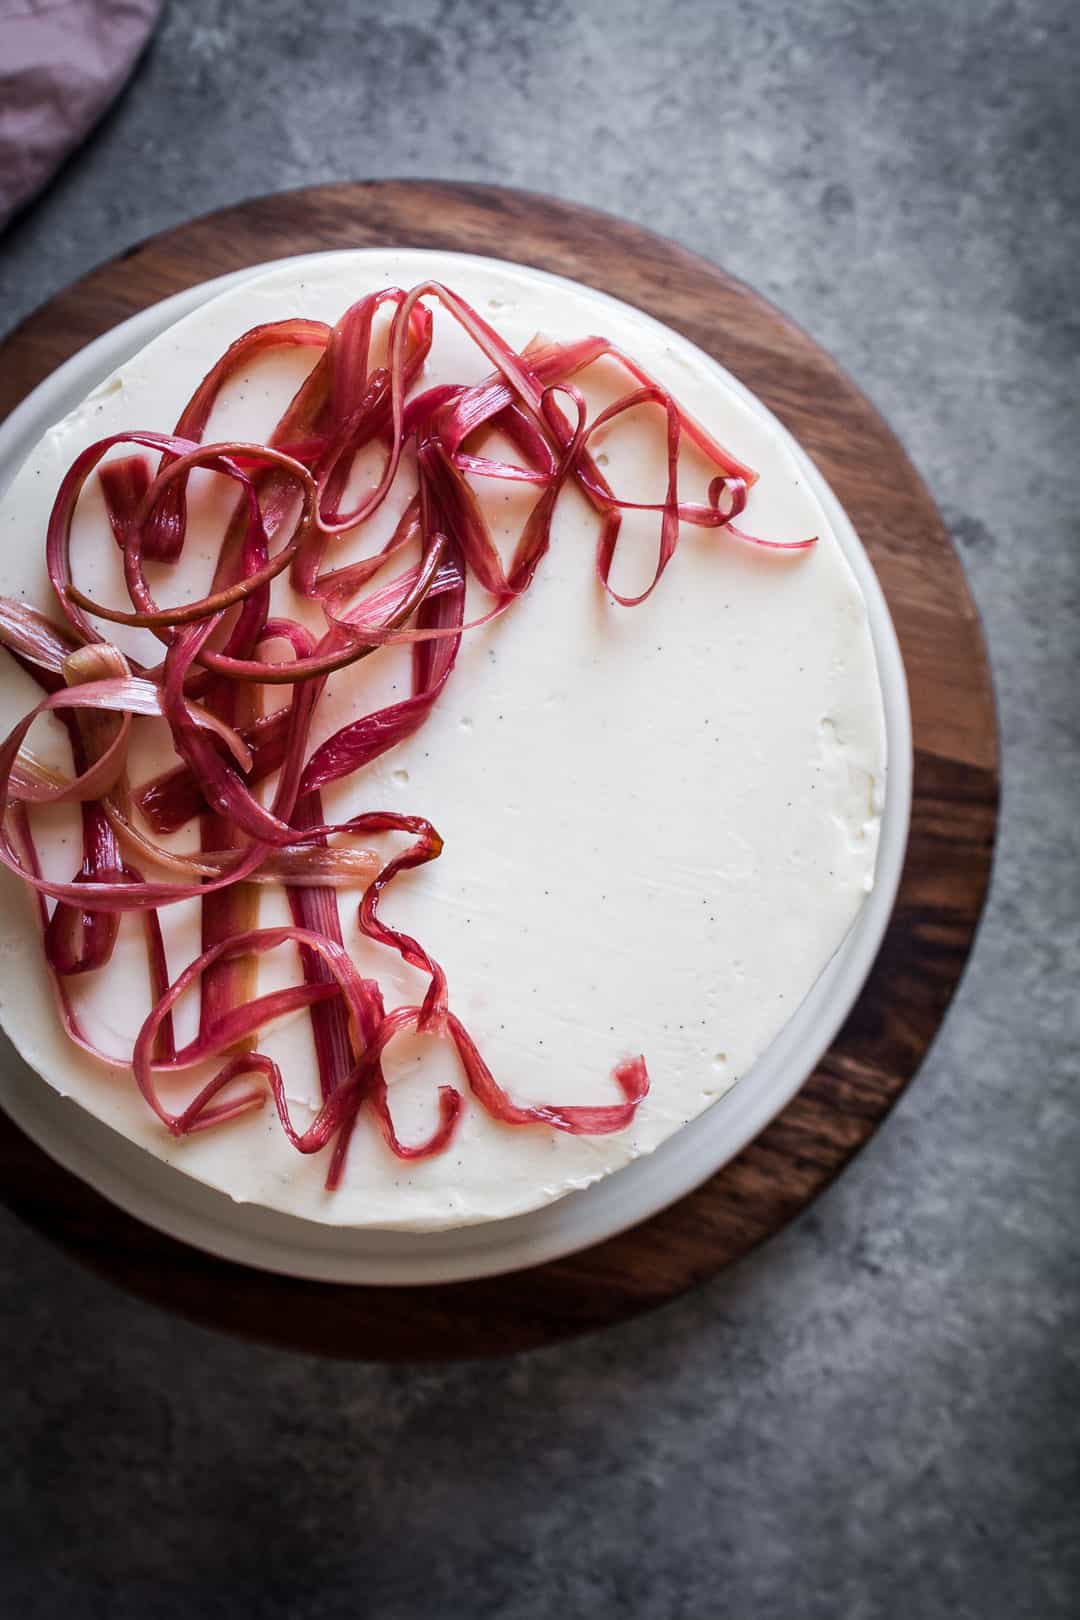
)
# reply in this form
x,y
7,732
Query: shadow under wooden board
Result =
x,y
953,817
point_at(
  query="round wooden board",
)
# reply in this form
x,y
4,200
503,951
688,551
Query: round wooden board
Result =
x,y
953,819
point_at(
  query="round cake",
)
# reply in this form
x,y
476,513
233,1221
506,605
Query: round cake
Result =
x,y
658,807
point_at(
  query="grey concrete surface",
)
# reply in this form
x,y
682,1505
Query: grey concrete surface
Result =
x,y
876,1416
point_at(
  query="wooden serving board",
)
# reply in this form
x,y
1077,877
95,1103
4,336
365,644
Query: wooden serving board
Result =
x,y
953,820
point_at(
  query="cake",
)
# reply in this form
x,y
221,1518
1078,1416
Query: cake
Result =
x,y
658,821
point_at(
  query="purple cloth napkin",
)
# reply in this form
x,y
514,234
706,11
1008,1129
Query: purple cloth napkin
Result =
x,y
61,63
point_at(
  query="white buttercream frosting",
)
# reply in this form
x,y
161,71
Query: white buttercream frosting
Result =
x,y
659,822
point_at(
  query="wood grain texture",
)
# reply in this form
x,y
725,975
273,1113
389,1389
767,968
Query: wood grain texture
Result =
x,y
953,821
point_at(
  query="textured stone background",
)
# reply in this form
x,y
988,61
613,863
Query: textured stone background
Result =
x,y
876,1416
